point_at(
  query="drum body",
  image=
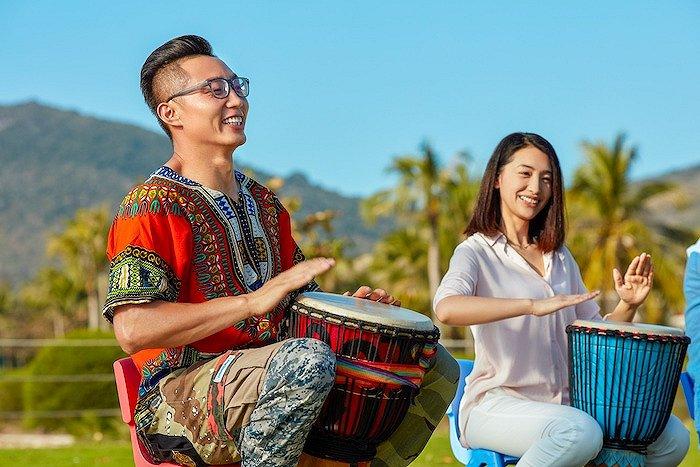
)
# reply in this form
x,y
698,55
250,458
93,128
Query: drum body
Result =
x,y
382,354
625,376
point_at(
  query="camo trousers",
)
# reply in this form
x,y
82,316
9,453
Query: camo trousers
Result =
x,y
257,406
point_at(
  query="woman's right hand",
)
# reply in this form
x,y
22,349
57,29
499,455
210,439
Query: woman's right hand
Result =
x,y
266,298
545,306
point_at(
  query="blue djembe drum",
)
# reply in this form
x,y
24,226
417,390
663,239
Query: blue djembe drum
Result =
x,y
625,376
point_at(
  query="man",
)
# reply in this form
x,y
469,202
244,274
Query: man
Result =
x,y
202,269
691,288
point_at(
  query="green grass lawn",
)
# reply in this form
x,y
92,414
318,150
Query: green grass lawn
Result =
x,y
118,454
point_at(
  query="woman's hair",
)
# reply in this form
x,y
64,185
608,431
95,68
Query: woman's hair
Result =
x,y
547,228
160,70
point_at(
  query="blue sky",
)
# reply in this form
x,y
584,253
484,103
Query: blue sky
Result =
x,y
339,88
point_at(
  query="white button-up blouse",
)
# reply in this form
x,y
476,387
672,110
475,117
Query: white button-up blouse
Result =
x,y
525,356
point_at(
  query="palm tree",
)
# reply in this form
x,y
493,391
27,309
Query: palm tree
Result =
x,y
80,248
432,204
56,294
610,226
6,304
315,232
400,259
315,236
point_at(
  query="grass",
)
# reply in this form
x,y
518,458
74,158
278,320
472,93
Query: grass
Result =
x,y
118,454
107,454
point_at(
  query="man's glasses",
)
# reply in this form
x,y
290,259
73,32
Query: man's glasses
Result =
x,y
219,87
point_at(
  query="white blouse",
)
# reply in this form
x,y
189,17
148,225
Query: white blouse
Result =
x,y
525,356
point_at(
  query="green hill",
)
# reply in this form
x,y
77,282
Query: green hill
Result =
x,y
55,161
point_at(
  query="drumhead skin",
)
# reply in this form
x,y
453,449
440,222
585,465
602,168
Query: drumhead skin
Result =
x,y
365,310
637,328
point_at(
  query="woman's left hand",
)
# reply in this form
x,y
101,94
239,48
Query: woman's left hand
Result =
x,y
634,287
376,295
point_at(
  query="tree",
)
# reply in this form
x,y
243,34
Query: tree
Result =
x,y
6,304
80,250
55,293
315,236
432,204
610,227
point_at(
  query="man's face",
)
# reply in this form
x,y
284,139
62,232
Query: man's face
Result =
x,y
206,120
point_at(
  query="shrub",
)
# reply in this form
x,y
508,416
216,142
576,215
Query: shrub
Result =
x,y
71,396
11,392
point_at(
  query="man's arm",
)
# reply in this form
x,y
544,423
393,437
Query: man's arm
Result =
x,y
165,324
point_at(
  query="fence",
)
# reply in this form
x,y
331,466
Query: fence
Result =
x,y
28,347
20,351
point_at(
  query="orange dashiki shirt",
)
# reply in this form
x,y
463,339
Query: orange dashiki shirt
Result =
x,y
176,240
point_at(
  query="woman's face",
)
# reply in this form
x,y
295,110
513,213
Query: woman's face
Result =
x,y
525,184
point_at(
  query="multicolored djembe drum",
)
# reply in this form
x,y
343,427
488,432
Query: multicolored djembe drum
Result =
x,y
625,376
382,353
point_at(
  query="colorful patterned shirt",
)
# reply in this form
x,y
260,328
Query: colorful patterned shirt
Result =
x,y
178,241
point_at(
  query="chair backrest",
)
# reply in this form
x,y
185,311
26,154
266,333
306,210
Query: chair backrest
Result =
x,y
465,367
689,391
128,379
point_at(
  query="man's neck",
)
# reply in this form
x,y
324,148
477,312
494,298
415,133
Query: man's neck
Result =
x,y
213,168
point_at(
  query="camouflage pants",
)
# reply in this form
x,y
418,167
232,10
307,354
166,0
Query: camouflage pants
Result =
x,y
436,393
257,406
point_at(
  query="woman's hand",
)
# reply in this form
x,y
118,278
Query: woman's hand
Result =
x,y
376,295
634,287
545,306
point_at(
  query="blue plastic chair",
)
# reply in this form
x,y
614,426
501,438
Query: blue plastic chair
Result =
x,y
470,457
689,391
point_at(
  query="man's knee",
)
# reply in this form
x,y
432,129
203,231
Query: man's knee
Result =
x,y
310,362
443,376
446,365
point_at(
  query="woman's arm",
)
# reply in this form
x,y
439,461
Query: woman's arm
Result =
x,y
633,288
460,310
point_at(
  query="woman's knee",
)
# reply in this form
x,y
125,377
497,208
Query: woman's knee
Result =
x,y
671,446
578,435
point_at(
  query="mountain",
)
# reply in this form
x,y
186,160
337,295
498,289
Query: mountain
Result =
x,y
681,207
55,161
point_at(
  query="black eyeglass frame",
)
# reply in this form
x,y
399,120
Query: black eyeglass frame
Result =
x,y
229,85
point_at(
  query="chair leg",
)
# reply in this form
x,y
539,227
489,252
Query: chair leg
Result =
x,y
485,458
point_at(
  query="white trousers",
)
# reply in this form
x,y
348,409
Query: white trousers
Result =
x,y
549,435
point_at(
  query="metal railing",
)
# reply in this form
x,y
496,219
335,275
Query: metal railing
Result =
x,y
86,378
451,344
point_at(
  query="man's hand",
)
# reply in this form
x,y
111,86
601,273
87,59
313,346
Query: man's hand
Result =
x,y
266,298
376,295
634,288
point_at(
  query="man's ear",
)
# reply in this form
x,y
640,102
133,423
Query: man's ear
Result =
x,y
168,114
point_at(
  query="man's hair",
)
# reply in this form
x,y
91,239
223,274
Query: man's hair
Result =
x,y
161,74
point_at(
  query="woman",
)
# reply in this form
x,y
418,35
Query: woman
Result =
x,y
518,287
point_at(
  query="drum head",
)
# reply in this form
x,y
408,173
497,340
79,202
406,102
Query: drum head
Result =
x,y
365,310
637,328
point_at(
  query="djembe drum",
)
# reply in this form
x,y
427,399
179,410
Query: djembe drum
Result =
x,y
625,376
382,354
